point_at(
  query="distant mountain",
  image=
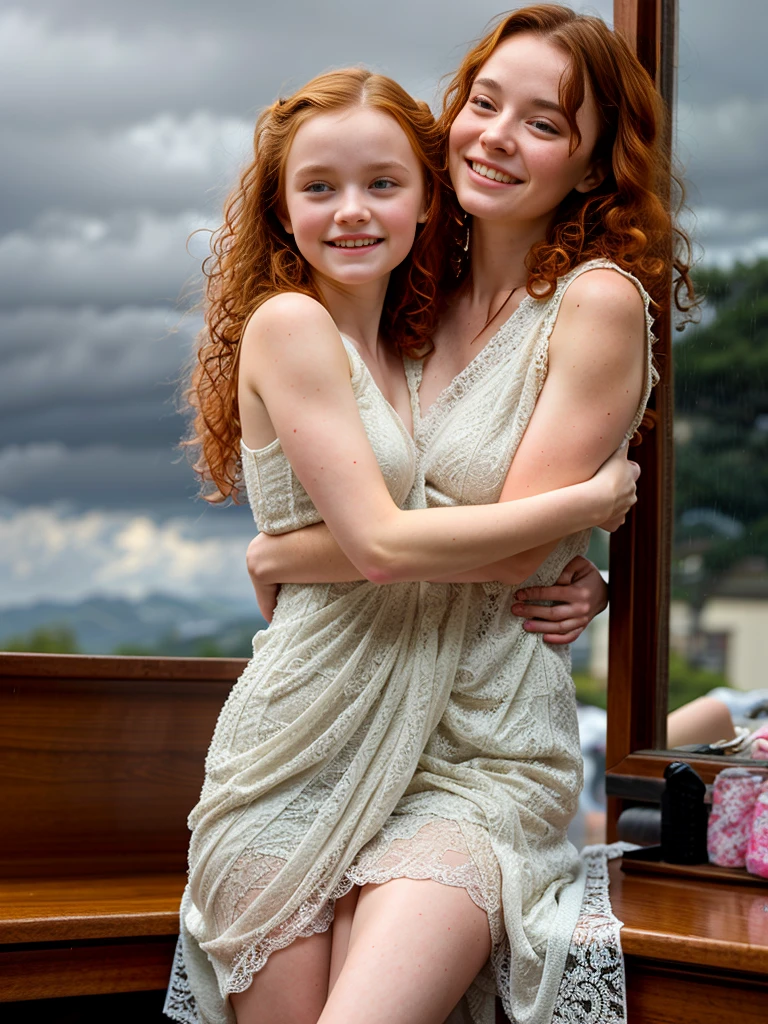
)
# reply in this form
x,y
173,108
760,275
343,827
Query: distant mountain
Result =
x,y
157,624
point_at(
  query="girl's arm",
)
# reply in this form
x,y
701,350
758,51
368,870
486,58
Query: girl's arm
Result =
x,y
293,359
595,378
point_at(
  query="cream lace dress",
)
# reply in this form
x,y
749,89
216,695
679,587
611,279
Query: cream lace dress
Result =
x,y
500,777
316,742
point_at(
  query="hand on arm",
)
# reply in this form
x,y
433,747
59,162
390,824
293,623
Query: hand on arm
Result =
x,y
597,370
597,356
581,593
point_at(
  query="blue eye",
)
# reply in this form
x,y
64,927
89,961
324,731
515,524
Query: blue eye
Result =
x,y
382,184
482,102
317,188
546,127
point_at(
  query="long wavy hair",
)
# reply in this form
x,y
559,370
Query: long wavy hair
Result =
x,y
627,218
253,258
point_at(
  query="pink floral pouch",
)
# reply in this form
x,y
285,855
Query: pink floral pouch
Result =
x,y
730,821
757,849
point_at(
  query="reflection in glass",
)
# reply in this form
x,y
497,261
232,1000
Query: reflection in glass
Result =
x,y
719,619
719,610
719,585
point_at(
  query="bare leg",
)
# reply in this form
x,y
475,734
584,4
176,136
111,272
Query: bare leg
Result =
x,y
414,950
292,986
343,914
704,720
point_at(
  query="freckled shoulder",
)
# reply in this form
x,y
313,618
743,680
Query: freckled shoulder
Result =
x,y
290,315
602,292
601,322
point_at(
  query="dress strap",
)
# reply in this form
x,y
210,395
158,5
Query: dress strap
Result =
x,y
414,370
357,365
651,373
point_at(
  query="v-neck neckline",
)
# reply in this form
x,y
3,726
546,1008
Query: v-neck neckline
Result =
x,y
367,370
443,396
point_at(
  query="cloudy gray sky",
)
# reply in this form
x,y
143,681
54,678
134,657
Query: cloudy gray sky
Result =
x,y
123,126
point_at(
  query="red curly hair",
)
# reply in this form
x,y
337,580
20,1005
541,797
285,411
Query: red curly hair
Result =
x,y
626,218
253,258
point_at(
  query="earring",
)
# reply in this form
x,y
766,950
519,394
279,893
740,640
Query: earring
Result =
x,y
458,255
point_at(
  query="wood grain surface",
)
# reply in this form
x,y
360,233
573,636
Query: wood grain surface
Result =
x,y
83,969
658,994
101,772
687,922
54,909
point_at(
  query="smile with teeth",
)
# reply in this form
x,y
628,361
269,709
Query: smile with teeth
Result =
x,y
490,173
354,243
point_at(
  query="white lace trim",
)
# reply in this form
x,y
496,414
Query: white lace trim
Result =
x,y
530,313
179,1003
422,849
313,917
512,332
593,986
593,989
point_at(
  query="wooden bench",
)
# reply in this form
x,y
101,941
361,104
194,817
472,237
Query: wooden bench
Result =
x,y
101,760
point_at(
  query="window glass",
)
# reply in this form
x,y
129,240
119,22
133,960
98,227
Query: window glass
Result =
x,y
719,610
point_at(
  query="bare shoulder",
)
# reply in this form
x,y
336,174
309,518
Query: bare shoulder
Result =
x,y
600,327
606,293
289,315
291,341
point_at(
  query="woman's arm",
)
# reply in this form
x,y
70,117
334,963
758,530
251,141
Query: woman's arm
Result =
x,y
293,359
580,591
595,378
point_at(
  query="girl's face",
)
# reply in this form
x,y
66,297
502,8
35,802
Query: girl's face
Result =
x,y
509,146
354,193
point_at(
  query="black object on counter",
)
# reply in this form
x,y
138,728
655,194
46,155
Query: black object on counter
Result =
x,y
641,825
683,816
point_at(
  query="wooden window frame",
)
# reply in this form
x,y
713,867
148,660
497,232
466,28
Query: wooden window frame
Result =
x,y
641,553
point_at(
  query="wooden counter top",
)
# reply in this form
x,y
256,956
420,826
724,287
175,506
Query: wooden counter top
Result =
x,y
704,925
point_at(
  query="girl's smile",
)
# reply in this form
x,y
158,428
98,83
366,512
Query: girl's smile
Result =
x,y
353,244
354,194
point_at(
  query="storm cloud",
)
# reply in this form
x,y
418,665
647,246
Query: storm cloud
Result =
x,y
124,126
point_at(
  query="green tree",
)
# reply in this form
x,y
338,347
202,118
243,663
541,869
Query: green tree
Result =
x,y
53,639
721,411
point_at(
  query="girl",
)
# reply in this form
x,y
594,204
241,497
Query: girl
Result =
x,y
543,354
322,264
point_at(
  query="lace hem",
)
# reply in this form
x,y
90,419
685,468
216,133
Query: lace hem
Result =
x,y
179,1003
593,989
435,849
459,878
313,917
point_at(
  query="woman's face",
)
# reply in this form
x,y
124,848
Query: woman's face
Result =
x,y
354,193
509,146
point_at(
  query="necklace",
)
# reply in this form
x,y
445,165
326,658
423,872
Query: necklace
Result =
x,y
493,316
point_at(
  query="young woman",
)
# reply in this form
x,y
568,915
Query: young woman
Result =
x,y
324,261
543,354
